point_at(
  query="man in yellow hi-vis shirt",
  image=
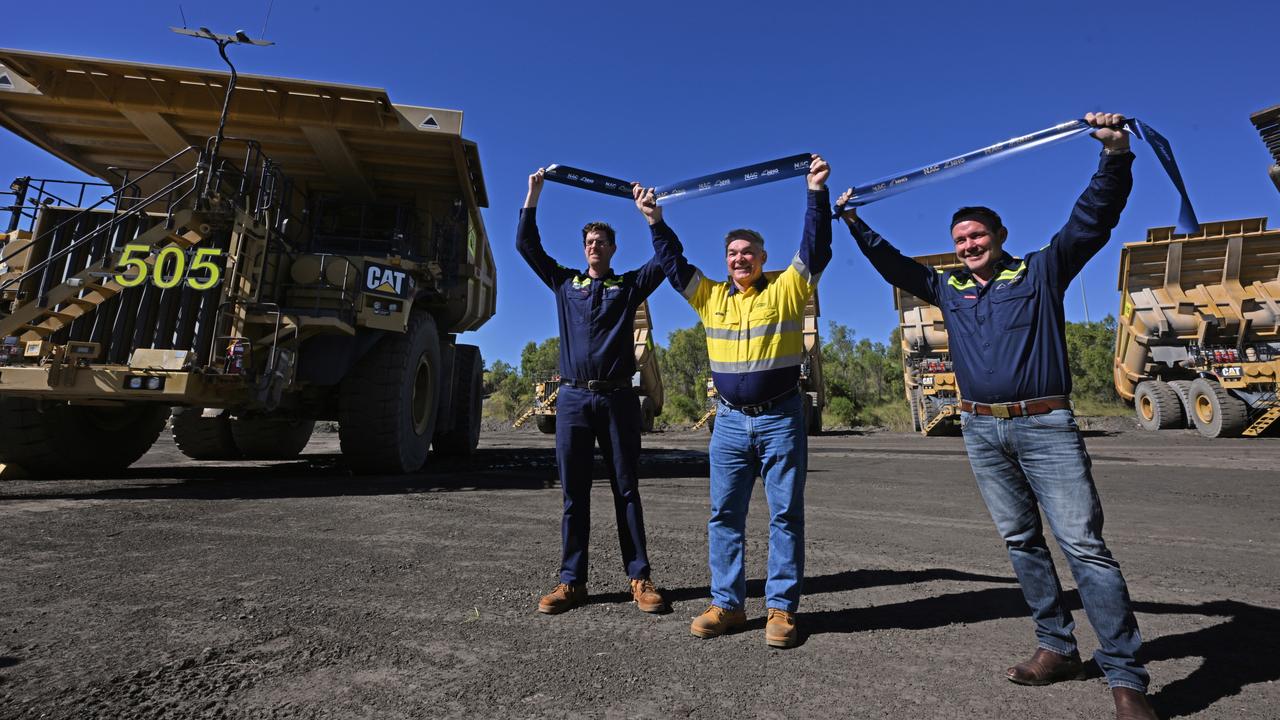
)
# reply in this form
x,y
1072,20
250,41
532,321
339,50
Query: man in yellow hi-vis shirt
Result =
x,y
754,323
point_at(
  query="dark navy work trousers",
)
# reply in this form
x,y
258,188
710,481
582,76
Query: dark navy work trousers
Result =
x,y
583,418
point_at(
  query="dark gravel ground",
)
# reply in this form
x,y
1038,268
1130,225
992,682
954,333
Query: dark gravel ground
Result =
x,y
300,590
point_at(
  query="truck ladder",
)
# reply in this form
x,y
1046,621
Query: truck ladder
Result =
x,y
524,417
1265,420
709,414
82,293
946,412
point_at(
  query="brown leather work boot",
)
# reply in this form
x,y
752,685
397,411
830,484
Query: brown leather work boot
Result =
x,y
716,621
1047,667
1132,705
647,597
564,597
780,630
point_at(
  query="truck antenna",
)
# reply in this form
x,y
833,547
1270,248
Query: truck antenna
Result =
x,y
222,41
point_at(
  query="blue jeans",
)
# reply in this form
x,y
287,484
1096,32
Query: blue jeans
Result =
x,y
1027,464
772,446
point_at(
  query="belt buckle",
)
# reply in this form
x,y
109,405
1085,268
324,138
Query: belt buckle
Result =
x,y
1000,411
751,410
597,385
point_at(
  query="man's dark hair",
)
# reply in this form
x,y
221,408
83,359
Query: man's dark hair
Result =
x,y
750,236
984,215
601,227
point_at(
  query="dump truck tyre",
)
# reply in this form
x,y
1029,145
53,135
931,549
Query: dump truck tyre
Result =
x,y
546,424
917,421
76,441
1183,388
387,403
203,438
647,414
464,437
271,437
1157,405
1215,411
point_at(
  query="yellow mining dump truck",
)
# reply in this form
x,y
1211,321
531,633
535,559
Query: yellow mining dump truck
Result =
x,y
647,382
314,261
1198,339
811,381
927,373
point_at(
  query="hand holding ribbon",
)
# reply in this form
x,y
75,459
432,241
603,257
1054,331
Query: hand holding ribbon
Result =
x,y
1101,126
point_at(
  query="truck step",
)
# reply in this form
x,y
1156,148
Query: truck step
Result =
x,y
1264,421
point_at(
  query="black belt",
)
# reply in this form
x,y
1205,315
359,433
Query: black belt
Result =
x,y
597,385
761,408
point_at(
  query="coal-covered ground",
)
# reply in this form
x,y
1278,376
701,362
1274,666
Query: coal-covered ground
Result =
x,y
303,590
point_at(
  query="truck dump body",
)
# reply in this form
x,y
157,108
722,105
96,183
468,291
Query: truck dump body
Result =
x,y
1201,309
311,262
926,357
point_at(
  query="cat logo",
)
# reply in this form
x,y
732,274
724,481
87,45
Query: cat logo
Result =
x,y
386,280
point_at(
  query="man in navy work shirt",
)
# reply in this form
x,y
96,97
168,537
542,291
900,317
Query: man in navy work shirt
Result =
x,y
1005,321
596,402
754,322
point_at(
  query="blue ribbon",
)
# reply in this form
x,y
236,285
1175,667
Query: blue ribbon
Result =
x,y
895,184
735,179
588,180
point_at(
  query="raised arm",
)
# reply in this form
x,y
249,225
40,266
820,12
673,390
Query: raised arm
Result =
x,y
897,269
815,244
1097,212
529,242
667,249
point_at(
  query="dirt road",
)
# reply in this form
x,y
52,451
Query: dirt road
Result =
x,y
301,590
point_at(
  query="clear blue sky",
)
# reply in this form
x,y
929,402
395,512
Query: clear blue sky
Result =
x,y
663,91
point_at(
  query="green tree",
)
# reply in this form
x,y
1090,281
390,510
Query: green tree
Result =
x,y
540,360
685,370
1090,349
860,374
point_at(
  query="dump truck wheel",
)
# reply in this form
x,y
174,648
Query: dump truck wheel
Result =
x,y
464,437
546,423
916,423
76,440
387,403
813,416
647,414
1157,406
1183,388
203,438
271,437
1215,411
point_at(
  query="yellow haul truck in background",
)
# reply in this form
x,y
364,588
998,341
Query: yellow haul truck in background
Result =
x,y
927,373
257,254
647,383
1198,339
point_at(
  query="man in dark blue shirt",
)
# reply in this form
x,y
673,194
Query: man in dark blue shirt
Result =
x,y
596,402
1005,324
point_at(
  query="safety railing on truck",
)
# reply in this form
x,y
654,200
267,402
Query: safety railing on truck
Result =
x,y
58,274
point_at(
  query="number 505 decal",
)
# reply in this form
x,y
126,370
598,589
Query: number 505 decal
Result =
x,y
165,277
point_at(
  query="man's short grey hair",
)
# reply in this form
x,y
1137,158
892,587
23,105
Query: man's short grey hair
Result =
x,y
749,235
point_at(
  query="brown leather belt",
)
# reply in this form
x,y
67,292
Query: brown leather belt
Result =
x,y
1036,406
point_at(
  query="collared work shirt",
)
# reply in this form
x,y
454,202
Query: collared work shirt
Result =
x,y
1008,337
596,315
755,338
